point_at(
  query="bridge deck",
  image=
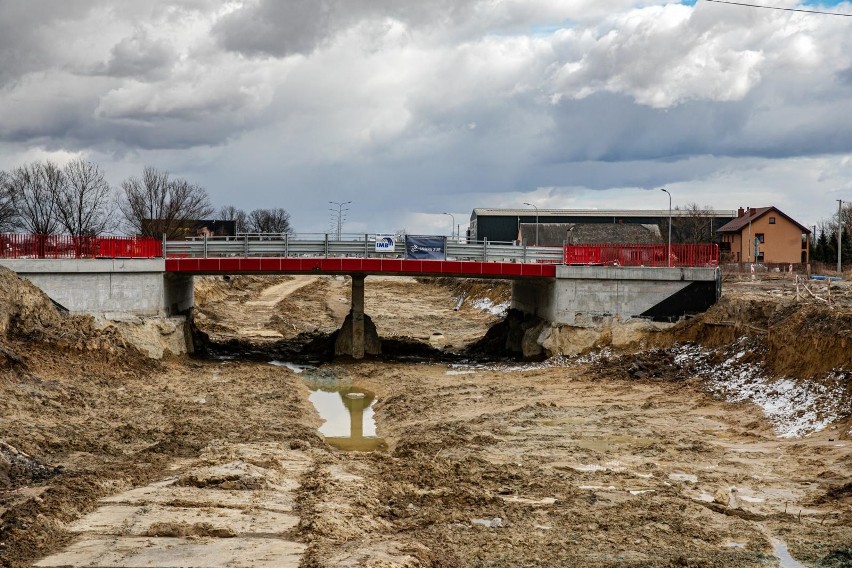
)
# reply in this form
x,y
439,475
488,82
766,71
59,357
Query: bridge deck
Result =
x,y
398,267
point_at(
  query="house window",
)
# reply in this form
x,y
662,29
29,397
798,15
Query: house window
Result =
x,y
758,238
772,220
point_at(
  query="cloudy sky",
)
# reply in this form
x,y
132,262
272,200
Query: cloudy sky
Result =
x,y
410,108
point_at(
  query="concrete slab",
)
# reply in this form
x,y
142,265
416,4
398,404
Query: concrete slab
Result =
x,y
232,507
84,265
136,552
138,520
271,500
652,273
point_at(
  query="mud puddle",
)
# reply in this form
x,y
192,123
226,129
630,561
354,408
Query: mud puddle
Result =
x,y
346,410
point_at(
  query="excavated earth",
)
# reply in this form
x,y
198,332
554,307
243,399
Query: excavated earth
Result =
x,y
722,441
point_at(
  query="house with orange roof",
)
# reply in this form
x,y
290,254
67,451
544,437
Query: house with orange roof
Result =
x,y
766,235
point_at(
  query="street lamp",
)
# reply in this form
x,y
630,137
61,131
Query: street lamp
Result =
x,y
340,205
453,226
670,224
536,221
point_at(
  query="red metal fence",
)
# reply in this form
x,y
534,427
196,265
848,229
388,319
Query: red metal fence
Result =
x,y
67,246
643,255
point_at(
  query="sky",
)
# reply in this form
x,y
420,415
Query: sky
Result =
x,y
414,108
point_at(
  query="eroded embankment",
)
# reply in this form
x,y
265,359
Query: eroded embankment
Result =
x,y
800,340
793,360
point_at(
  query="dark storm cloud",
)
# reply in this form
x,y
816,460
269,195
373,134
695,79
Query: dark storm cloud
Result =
x,y
140,57
272,27
28,38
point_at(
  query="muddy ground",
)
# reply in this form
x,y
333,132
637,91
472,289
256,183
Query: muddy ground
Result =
x,y
689,452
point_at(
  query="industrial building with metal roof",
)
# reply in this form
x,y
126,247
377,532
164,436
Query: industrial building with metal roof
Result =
x,y
505,224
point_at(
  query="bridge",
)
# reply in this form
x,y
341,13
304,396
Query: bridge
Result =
x,y
569,285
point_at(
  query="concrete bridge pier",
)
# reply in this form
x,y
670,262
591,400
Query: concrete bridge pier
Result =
x,y
358,336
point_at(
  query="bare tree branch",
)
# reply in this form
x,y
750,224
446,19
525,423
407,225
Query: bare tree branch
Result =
x,y
156,205
231,213
8,213
34,189
86,206
692,226
269,221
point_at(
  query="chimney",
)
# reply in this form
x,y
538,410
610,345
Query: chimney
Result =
x,y
740,212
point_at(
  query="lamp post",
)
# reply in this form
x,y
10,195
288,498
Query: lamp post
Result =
x,y
536,221
839,232
670,226
340,205
453,226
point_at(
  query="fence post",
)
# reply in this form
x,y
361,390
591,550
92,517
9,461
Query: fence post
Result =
x,y
286,245
524,245
164,245
245,245
485,249
366,245
205,245
326,245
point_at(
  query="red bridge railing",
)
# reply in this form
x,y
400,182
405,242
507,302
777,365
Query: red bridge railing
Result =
x,y
67,246
643,255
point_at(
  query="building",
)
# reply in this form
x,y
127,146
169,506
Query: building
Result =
x,y
558,234
505,224
764,234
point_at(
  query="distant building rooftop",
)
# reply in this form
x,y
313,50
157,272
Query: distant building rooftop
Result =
x,y
483,211
558,234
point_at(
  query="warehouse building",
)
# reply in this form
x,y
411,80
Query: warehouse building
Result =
x,y
505,224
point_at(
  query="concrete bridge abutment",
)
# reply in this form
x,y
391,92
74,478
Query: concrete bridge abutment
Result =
x,y
585,306
137,287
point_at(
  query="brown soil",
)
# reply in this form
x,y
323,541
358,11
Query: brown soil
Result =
x,y
621,460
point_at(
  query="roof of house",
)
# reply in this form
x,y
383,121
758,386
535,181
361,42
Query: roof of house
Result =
x,y
753,214
526,212
557,234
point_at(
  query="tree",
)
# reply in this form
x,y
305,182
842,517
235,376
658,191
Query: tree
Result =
x,y
693,224
34,190
820,252
269,221
157,206
828,239
231,213
86,204
8,213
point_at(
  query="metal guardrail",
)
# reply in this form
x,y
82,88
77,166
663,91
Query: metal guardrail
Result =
x,y
314,245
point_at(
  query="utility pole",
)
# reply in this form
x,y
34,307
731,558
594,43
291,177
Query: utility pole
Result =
x,y
536,222
670,226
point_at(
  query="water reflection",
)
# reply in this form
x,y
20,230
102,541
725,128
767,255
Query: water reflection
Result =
x,y
348,415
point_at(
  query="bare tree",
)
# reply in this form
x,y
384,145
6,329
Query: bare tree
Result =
x,y
34,190
693,224
231,213
86,205
8,213
155,205
269,221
